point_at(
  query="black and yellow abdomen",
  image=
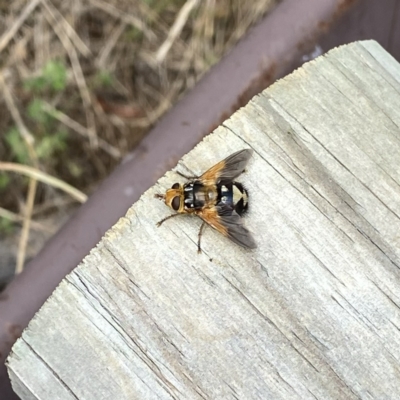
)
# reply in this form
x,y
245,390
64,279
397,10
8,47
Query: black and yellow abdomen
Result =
x,y
234,195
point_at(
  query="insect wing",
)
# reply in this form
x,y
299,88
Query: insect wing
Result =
x,y
227,170
236,231
230,224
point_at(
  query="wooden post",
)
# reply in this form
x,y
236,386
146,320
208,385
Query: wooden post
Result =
x,y
312,313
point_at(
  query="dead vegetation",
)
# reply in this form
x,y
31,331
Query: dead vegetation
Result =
x,y
82,81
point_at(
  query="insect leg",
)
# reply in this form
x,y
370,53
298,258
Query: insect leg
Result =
x,y
186,176
164,219
200,233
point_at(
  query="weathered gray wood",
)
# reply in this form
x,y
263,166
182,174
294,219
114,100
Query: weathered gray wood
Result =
x,y
312,313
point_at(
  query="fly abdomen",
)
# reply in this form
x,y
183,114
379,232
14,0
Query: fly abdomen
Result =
x,y
233,195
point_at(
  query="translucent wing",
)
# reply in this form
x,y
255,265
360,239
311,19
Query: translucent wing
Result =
x,y
227,170
226,221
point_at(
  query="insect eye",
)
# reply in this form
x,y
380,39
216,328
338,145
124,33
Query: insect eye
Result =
x,y
176,203
175,186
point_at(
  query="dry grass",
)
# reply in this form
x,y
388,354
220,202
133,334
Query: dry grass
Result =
x,y
82,81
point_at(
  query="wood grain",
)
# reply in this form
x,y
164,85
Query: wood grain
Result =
x,y
313,313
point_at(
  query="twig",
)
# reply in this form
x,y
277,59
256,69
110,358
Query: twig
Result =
x,y
41,41
23,241
176,29
163,105
6,214
79,77
58,202
29,140
77,127
115,34
26,135
45,178
125,17
10,33
209,20
69,31
87,101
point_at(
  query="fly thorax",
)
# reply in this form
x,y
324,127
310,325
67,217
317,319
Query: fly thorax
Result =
x,y
188,194
211,195
200,194
195,195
